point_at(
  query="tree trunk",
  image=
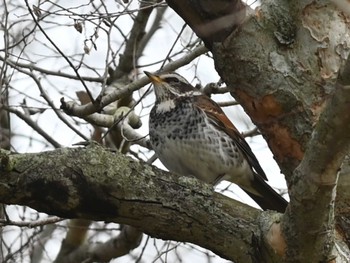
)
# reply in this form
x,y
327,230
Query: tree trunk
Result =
x,y
281,64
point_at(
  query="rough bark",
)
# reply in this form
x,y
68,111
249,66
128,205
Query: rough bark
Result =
x,y
282,64
212,21
97,184
314,181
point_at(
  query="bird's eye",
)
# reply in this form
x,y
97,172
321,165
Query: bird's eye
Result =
x,y
172,80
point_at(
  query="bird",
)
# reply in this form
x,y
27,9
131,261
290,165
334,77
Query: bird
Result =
x,y
192,136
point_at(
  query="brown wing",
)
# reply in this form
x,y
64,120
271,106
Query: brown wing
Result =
x,y
218,117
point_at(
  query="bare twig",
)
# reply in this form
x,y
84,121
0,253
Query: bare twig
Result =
x,y
74,109
59,51
50,103
228,103
31,224
251,133
31,67
27,119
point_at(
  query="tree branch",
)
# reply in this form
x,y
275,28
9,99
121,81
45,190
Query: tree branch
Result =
x,y
278,67
131,54
212,21
96,184
72,108
31,224
315,180
33,67
27,119
128,239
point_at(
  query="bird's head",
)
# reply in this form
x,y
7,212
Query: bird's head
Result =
x,y
170,86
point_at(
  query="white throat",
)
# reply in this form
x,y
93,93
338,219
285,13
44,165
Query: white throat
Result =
x,y
165,106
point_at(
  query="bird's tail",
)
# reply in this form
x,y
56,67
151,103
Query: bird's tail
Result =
x,y
268,198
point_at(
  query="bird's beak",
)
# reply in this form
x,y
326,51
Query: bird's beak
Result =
x,y
154,78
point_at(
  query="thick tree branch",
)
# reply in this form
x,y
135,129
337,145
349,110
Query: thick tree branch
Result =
x,y
128,239
131,53
96,184
75,237
281,66
314,183
212,21
37,249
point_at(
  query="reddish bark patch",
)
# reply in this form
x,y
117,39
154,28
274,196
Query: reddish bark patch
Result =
x,y
266,108
282,144
268,114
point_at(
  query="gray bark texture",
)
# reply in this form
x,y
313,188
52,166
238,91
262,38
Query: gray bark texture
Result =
x,y
97,184
282,64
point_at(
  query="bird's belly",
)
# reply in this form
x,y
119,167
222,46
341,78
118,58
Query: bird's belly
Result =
x,y
208,155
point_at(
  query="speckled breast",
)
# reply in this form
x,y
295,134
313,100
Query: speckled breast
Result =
x,y
187,143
